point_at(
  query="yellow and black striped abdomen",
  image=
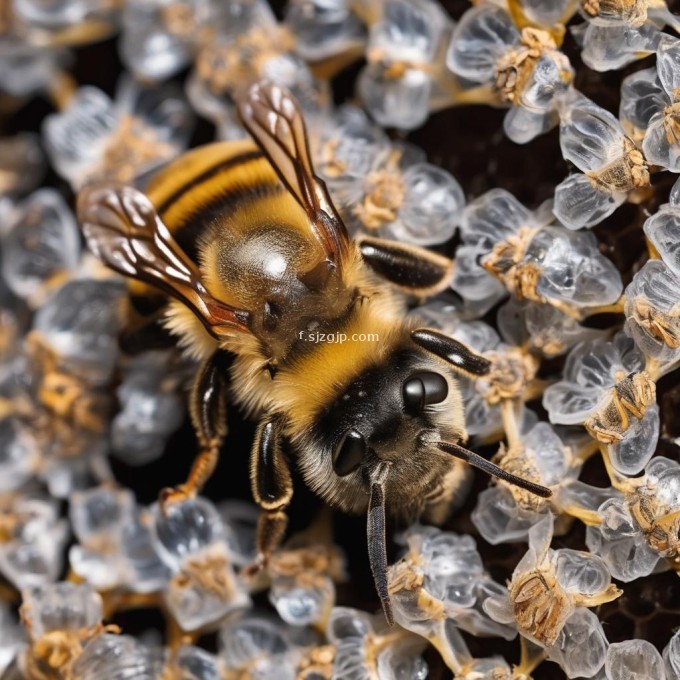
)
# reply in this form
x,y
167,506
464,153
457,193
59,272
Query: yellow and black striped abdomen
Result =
x,y
220,192
207,182
217,199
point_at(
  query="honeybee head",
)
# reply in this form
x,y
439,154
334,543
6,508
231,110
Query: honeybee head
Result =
x,y
387,440
377,444
388,414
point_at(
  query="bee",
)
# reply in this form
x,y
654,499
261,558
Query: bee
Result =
x,y
244,240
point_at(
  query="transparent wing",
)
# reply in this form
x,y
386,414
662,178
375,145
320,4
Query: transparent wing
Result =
x,y
123,229
273,117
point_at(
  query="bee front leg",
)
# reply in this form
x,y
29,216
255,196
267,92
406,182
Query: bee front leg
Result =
x,y
272,488
208,410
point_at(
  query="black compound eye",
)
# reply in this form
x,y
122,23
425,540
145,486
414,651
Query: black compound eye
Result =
x,y
349,453
422,389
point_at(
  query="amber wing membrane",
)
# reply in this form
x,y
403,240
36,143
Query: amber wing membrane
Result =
x,y
274,119
123,230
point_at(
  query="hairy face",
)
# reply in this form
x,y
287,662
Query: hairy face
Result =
x,y
391,417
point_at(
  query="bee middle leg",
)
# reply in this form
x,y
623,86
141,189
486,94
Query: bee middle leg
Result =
x,y
208,411
272,487
415,270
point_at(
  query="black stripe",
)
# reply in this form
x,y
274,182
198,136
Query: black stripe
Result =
x,y
241,158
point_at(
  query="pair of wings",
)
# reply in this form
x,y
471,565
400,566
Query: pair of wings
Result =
x,y
123,229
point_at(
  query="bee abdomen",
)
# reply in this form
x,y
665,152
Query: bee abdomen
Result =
x,y
206,182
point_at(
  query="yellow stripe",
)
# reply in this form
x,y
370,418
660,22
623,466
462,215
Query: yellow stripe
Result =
x,y
204,175
190,165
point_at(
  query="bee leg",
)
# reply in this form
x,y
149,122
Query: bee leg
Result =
x,y
415,270
272,488
208,410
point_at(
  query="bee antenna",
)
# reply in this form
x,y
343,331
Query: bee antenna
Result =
x,y
377,551
487,466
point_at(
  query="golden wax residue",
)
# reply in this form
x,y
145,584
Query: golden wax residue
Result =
x,y
66,401
131,147
671,123
525,280
511,371
178,19
626,173
225,67
52,656
633,12
316,662
383,199
406,576
100,544
549,344
630,396
516,461
505,262
638,166
212,67
508,253
211,572
403,576
309,567
515,68
540,605
468,672
391,69
591,7
321,559
662,326
659,524
329,164
72,400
